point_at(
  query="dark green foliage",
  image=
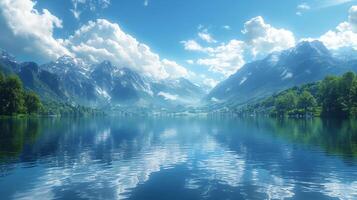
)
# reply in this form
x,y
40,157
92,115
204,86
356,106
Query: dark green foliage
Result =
x,y
286,102
337,95
15,100
332,97
32,102
12,97
66,109
306,102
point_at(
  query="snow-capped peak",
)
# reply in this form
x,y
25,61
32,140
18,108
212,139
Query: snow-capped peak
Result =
x,y
315,46
66,60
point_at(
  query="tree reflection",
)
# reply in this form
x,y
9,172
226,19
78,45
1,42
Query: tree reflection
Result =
x,y
334,136
15,134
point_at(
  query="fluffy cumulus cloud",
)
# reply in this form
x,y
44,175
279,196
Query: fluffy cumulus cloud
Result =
x,y
259,40
31,29
262,38
225,59
94,42
102,40
173,69
345,34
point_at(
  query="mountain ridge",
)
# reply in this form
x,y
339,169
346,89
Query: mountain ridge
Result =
x,y
308,61
100,85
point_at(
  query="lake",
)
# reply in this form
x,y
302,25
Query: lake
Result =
x,y
177,158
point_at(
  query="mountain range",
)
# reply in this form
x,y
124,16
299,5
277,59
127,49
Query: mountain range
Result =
x,y
305,63
107,86
101,85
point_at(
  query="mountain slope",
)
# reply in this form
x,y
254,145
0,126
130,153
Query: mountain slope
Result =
x,y
124,86
100,85
307,62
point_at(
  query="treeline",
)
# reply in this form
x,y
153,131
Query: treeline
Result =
x,y
15,100
66,109
335,96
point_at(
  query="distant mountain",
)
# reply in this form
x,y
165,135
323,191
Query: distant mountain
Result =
x,y
73,77
345,53
42,82
178,91
305,63
101,85
124,86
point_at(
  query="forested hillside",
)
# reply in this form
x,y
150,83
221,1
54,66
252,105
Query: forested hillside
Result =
x,y
15,100
334,96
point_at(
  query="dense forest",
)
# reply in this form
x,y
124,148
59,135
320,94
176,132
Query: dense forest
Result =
x,y
335,96
15,100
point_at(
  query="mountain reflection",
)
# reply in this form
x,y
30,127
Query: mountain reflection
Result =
x,y
115,158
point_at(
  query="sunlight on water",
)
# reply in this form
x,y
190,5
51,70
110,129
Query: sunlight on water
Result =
x,y
114,158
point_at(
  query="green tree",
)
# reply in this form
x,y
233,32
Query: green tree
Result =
x,y
306,101
329,97
12,98
32,102
353,110
345,90
286,102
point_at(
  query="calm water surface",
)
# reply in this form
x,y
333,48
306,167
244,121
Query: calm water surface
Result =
x,y
168,159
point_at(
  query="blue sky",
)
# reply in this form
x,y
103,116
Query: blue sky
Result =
x,y
203,40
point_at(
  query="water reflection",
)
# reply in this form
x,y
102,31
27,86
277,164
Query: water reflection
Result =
x,y
114,158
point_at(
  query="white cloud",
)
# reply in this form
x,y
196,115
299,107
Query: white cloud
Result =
x,y
226,58
168,96
352,18
301,8
330,3
227,27
31,29
262,38
76,13
173,69
94,42
211,83
146,2
191,62
192,45
102,40
345,34
81,5
205,36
